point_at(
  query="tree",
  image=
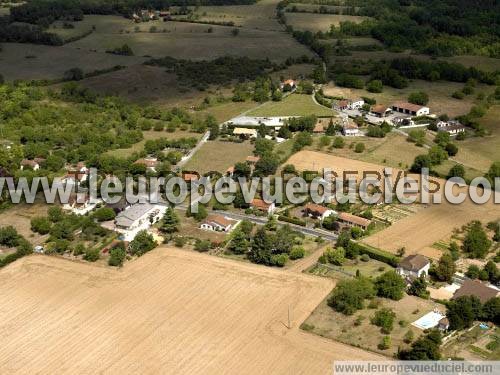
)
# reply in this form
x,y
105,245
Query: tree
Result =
x,y
9,236
349,295
170,221
335,256
338,142
418,288
384,318
451,149
473,272
214,131
445,268
491,310
424,349
261,249
239,242
359,148
267,165
375,86
92,255
457,170
385,343
491,269
73,74
420,162
55,214
409,336
277,95
476,243
462,312
242,170
493,172
202,245
104,214
420,98
142,243
390,285
117,256
200,214
40,225
437,155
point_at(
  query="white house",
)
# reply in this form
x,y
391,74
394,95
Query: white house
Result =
x,y
318,212
217,223
260,205
137,216
357,103
79,204
411,109
451,127
350,129
415,265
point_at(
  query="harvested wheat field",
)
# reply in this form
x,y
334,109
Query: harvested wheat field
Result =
x,y
417,232
171,311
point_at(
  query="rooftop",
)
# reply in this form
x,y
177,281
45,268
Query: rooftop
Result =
x,y
408,106
129,216
476,288
350,218
414,262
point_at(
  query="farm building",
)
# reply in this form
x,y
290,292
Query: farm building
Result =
x,y
245,133
415,265
478,289
217,223
410,109
353,220
262,206
380,110
451,127
344,104
251,121
317,212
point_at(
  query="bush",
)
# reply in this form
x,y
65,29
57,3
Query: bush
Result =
x,y
92,255
385,343
377,254
420,98
359,148
297,252
390,285
104,214
9,236
202,245
40,225
375,86
338,142
279,260
292,220
117,256
384,318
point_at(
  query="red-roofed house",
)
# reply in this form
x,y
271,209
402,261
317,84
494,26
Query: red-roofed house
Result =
x,y
411,109
260,205
217,223
353,220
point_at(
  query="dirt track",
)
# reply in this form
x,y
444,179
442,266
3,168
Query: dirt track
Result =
x,y
172,311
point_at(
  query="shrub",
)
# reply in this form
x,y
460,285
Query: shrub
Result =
x,y
279,260
92,255
385,343
117,256
202,245
297,252
359,148
40,225
384,318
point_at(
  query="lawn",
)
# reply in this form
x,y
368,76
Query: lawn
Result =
x,y
186,40
20,215
292,105
218,156
357,330
226,111
150,134
372,268
318,22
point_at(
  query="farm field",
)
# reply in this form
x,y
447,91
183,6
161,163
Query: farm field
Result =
x,y
318,22
170,310
185,40
292,105
218,156
486,149
260,16
326,322
226,111
29,61
146,84
440,100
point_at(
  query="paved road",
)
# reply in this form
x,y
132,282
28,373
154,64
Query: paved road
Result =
x,y
329,236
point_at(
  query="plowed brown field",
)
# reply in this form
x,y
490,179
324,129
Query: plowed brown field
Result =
x,y
171,311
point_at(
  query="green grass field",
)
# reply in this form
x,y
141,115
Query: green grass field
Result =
x,y
218,156
318,22
292,105
183,40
